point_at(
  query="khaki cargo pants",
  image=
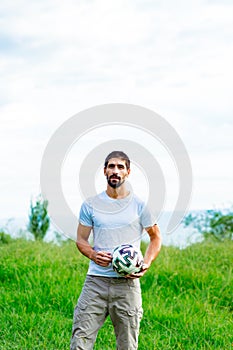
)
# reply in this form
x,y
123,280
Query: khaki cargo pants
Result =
x,y
102,296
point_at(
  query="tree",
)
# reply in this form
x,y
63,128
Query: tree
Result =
x,y
215,223
38,218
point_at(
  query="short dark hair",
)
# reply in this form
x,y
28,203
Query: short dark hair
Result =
x,y
117,154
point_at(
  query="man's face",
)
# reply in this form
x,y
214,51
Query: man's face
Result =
x,y
116,172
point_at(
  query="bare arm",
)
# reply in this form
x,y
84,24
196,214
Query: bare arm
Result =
x,y
100,258
154,246
152,250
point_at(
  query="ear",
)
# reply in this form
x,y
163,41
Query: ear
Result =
x,y
105,171
128,171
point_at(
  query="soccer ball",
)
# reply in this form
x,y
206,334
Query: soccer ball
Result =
x,y
126,259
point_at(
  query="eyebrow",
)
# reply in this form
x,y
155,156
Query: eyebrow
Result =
x,y
113,164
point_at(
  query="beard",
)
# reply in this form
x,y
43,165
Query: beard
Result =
x,y
114,184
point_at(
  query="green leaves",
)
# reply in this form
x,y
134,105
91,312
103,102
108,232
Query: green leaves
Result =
x,y
38,218
215,223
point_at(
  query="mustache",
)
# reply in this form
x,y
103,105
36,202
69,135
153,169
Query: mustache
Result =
x,y
114,177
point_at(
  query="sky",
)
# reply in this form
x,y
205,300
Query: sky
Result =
x,y
59,58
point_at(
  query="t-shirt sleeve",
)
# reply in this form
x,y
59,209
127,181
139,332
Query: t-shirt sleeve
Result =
x,y
147,219
85,215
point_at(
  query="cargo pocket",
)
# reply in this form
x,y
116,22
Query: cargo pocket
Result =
x,y
80,315
135,317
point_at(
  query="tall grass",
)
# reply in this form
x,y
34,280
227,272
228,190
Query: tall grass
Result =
x,y
187,297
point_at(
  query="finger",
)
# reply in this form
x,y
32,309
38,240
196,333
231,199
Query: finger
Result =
x,y
104,258
144,267
133,275
103,261
138,274
105,254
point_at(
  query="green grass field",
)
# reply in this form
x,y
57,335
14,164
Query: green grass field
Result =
x,y
187,297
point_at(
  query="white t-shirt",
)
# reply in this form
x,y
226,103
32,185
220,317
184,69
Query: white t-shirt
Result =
x,y
114,222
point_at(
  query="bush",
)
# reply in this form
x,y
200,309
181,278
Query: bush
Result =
x,y
5,238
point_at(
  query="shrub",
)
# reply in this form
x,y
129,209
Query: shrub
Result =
x,y
5,238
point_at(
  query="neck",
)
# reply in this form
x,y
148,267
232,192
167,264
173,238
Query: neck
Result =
x,y
117,193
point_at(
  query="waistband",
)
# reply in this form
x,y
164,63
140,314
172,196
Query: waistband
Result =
x,y
108,278
114,280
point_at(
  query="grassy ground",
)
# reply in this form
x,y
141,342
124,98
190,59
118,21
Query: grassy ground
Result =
x,y
187,297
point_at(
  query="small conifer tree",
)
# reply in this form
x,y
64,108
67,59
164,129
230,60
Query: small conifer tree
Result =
x,y
38,218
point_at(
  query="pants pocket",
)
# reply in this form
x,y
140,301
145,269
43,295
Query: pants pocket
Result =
x,y
135,317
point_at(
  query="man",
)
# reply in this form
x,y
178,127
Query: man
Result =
x,y
116,216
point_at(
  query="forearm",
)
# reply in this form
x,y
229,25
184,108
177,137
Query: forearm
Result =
x,y
100,258
152,252
85,248
154,246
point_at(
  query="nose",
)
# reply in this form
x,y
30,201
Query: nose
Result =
x,y
115,170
